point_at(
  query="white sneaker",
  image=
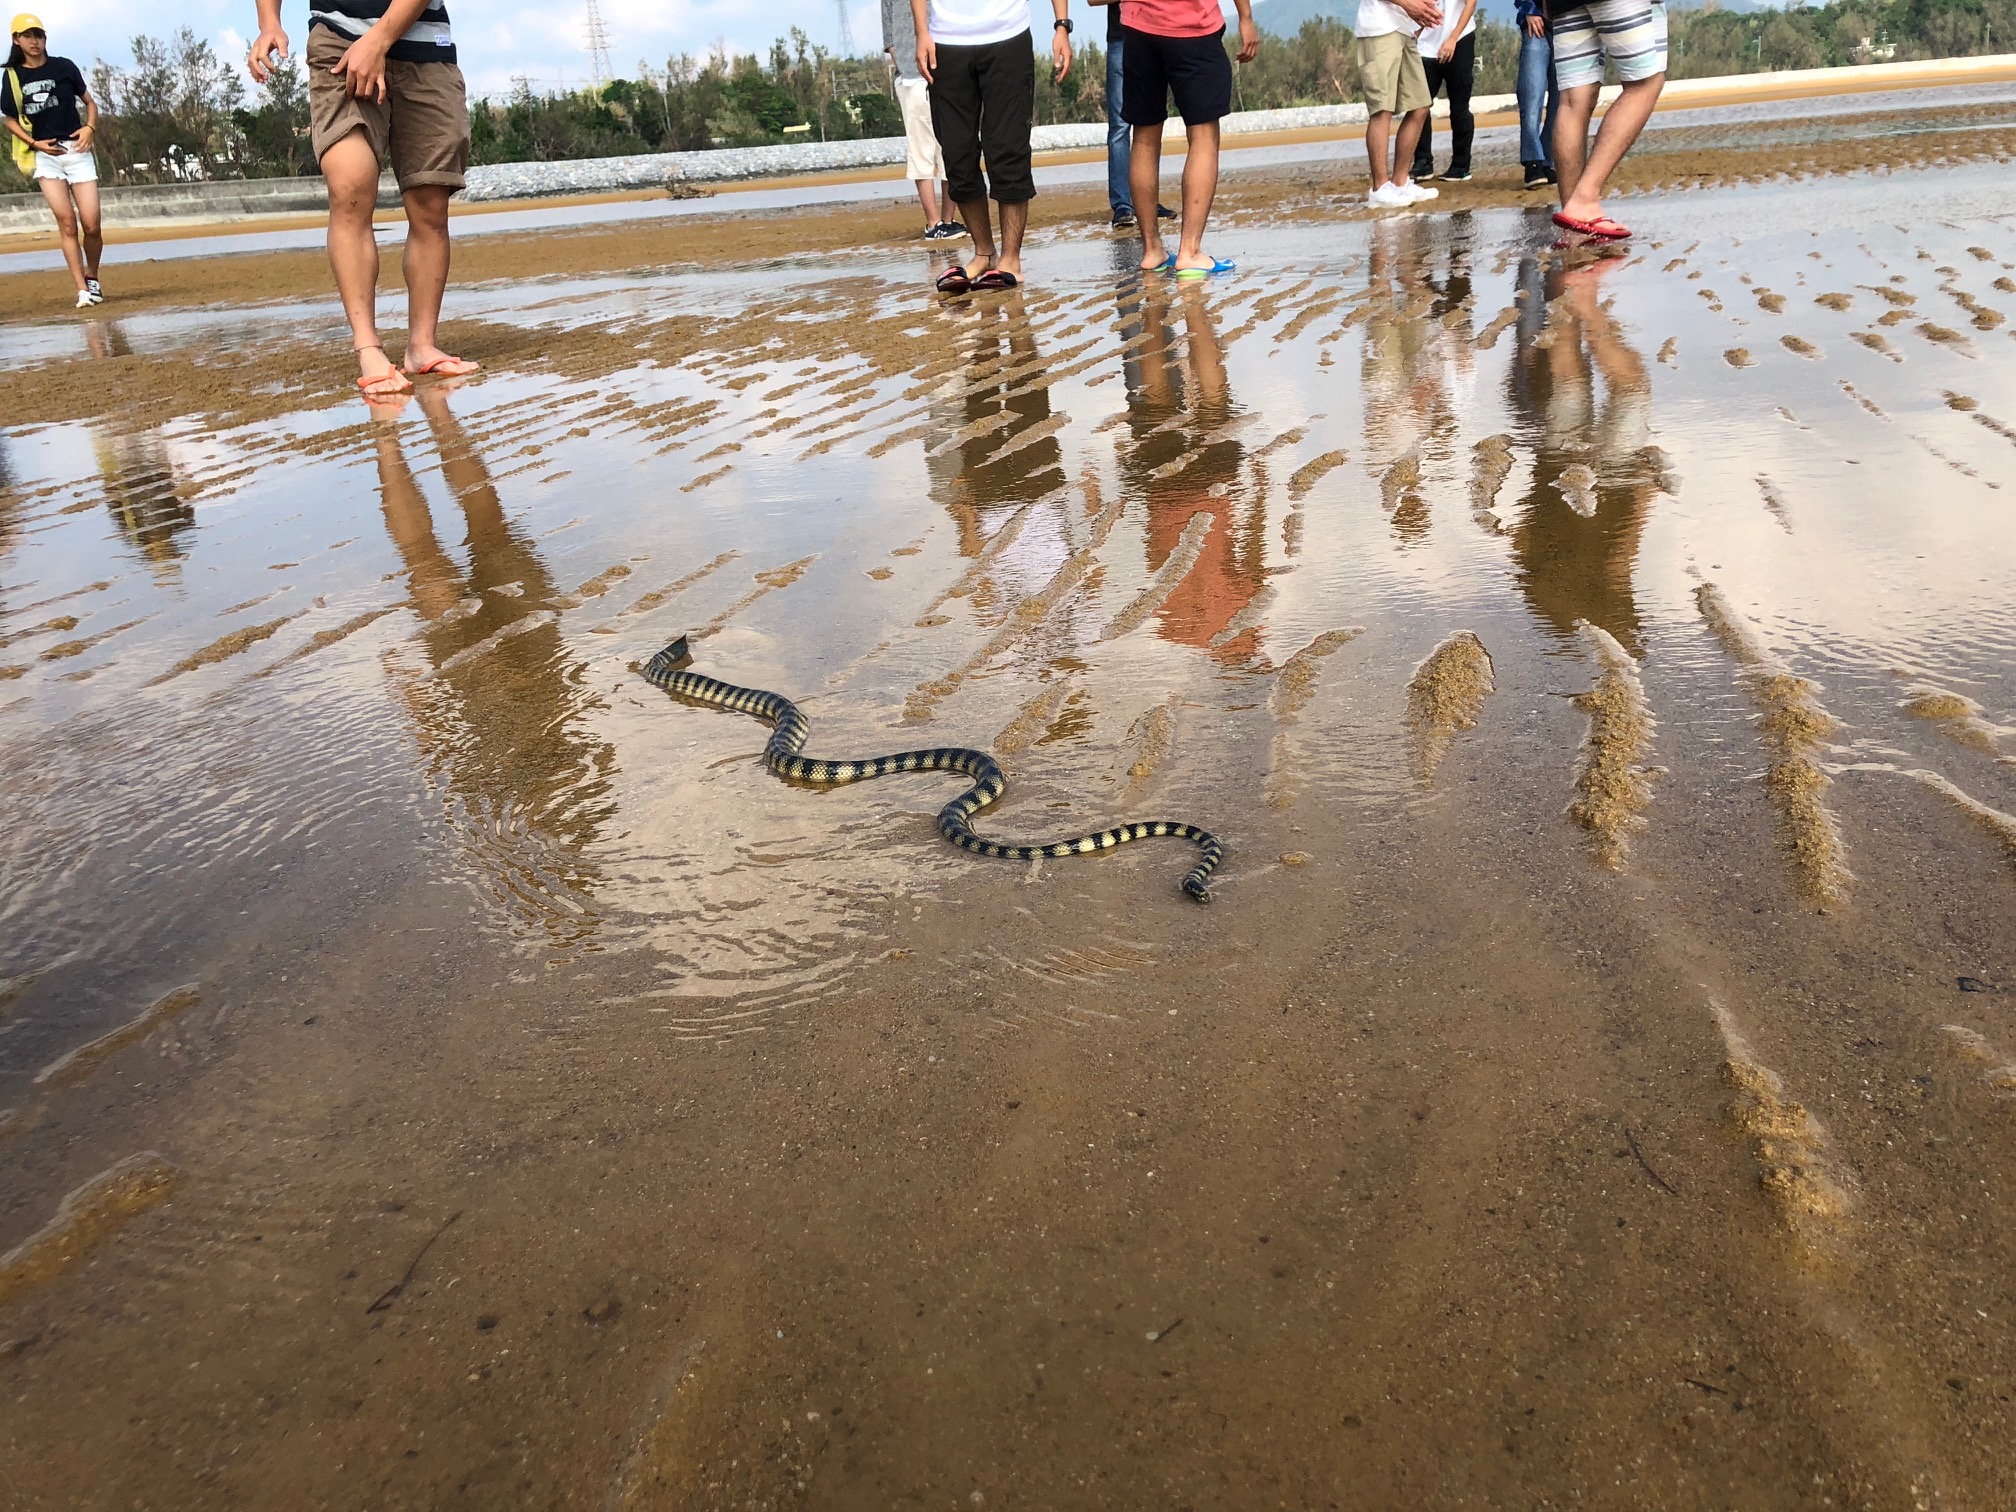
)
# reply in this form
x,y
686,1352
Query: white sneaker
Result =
x,y
84,299
1389,196
1416,193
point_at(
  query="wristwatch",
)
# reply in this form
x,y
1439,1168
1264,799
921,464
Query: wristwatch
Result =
x,y
1064,26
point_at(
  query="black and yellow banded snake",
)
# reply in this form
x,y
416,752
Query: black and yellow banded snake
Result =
x,y
787,740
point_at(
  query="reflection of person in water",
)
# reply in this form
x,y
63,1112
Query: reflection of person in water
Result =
x,y
1182,462
502,732
1418,361
1594,468
1006,395
144,493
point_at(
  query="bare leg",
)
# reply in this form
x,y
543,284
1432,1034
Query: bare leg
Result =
x,y
58,194
426,268
980,225
1200,188
1405,141
1378,136
1582,189
1144,182
1014,221
350,168
927,196
91,224
1571,136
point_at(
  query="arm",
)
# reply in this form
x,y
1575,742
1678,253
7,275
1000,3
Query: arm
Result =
x,y
1448,48
927,50
1421,12
89,134
1060,40
362,65
271,40
1249,34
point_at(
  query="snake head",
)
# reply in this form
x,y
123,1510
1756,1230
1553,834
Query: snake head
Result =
x,y
671,659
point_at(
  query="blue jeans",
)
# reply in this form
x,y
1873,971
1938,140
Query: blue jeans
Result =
x,y
1537,91
1119,137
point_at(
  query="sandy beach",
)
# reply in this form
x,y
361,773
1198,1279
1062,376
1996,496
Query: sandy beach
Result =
x,y
440,1069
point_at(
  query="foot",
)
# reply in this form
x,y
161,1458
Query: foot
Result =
x,y
1537,177
1155,256
1123,220
84,299
1422,173
952,228
1417,193
431,361
1389,197
1163,212
97,293
377,378
1456,176
941,231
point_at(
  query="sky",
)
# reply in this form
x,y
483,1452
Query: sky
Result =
x,y
500,39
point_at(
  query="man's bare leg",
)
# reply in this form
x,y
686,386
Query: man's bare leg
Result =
x,y
1378,137
58,194
927,196
1584,170
1014,221
980,225
91,225
1200,188
1144,182
1405,141
426,267
350,168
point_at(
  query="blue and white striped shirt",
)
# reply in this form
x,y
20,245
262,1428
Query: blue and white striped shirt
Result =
x,y
427,40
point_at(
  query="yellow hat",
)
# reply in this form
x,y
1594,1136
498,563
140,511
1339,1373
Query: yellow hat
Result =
x,y
24,23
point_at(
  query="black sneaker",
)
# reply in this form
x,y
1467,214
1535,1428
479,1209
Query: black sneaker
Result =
x,y
943,231
1123,220
954,228
1423,173
1537,177
1456,176
1163,212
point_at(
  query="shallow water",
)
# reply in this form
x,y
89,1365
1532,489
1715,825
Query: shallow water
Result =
x,y
335,716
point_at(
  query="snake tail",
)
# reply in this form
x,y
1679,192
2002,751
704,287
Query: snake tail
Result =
x,y
784,755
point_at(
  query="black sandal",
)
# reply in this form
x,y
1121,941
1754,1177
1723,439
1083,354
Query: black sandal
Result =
x,y
954,281
994,279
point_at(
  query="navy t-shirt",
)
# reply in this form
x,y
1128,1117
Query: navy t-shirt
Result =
x,y
52,95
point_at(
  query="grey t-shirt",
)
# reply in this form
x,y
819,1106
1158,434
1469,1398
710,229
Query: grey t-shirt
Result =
x,y
899,36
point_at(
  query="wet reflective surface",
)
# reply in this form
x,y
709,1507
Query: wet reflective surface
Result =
x,y
700,1104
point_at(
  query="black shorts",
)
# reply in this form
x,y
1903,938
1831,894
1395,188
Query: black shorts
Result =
x,y
1194,69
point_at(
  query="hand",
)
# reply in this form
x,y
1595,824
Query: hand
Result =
x,y
1249,39
363,67
1060,54
1425,12
1536,26
1446,51
259,62
84,138
927,57
54,149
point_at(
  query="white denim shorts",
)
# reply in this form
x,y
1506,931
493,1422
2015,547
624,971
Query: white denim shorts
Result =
x,y
71,166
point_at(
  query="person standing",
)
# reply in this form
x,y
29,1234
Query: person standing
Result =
x,y
1449,63
1393,83
383,86
1629,35
1539,95
926,164
1119,136
979,59
49,110
1176,48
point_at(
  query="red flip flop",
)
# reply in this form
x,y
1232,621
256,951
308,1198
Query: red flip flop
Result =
x,y
1602,227
954,280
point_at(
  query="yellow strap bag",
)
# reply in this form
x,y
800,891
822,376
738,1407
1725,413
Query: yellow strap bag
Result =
x,y
24,155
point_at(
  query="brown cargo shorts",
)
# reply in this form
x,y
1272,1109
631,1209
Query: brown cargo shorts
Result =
x,y
422,128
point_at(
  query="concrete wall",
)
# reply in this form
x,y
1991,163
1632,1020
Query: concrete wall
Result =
x,y
220,200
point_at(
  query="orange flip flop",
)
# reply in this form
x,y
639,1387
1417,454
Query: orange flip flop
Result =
x,y
445,366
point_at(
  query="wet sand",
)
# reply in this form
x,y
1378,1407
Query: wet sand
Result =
x,y
440,1069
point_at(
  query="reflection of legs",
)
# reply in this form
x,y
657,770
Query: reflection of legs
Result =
x,y
1200,188
435,583
57,192
1584,169
1157,381
1144,179
1207,357
350,169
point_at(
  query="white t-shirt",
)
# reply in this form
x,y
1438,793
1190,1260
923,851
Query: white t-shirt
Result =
x,y
974,23
1377,18
1430,41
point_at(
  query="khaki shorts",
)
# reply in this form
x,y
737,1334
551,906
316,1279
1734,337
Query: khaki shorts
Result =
x,y
1390,74
926,161
421,130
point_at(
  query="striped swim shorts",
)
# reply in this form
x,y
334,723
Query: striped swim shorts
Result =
x,y
1630,34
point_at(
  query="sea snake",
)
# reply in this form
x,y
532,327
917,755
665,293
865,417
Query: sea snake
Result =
x,y
792,727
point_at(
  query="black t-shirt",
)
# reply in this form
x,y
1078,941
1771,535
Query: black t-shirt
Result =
x,y
53,96
1113,22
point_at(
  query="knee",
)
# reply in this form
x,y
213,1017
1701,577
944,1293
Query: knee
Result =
x,y
427,211
66,226
91,223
